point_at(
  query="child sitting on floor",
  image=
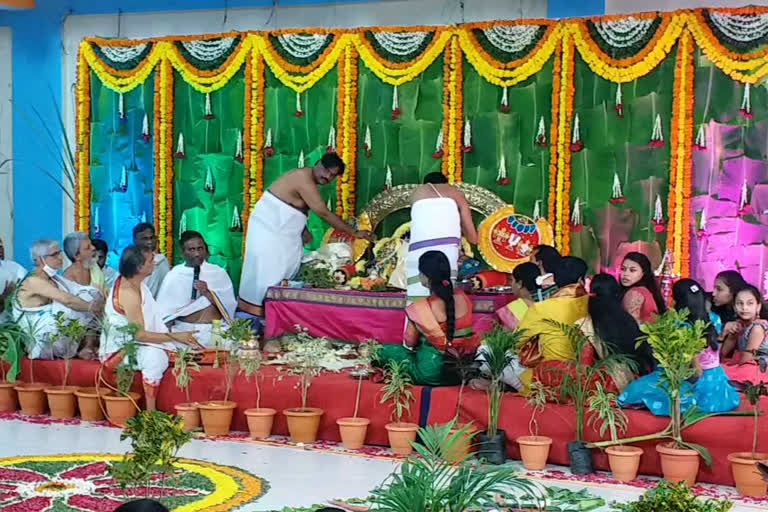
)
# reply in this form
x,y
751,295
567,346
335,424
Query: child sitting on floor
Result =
x,y
750,343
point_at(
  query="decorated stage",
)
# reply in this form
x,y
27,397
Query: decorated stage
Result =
x,y
356,315
335,394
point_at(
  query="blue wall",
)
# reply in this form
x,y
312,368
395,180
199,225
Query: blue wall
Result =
x,y
37,85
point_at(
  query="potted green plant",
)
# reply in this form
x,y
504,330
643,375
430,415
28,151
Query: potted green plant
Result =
x,y
260,419
465,366
534,449
353,430
306,363
11,348
156,438
31,394
673,497
749,481
433,482
69,333
216,415
123,403
577,379
675,343
604,415
182,366
499,347
89,401
397,391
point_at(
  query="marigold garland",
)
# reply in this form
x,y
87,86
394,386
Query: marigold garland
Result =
x,y
678,209
157,147
583,26
553,200
453,110
566,90
256,188
83,149
393,74
346,135
163,193
248,126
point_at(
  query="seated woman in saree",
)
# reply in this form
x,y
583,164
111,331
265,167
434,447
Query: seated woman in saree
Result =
x,y
434,323
523,284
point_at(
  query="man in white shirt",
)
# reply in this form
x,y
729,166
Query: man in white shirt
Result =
x,y
196,293
144,236
11,274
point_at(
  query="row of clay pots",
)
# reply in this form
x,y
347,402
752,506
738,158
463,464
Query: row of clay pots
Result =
x,y
62,401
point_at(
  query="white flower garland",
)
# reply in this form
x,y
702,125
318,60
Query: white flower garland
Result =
x,y
658,212
624,32
511,38
576,214
744,28
537,210
400,43
208,50
302,46
122,54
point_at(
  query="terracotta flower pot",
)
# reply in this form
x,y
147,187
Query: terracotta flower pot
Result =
x,y
89,404
303,423
216,416
401,435
749,481
8,399
120,408
190,415
624,461
534,450
678,464
260,422
61,401
31,398
463,446
352,431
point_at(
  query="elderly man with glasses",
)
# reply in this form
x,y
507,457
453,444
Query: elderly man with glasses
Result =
x,y
41,296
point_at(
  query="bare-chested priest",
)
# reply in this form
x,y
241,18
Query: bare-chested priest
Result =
x,y
196,292
277,229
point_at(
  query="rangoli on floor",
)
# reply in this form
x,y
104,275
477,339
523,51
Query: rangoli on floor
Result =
x,y
81,482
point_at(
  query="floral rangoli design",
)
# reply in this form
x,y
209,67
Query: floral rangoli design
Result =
x,y
81,482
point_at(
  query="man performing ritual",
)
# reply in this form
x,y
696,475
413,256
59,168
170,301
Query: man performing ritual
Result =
x,y
144,236
277,229
440,214
42,294
11,274
196,293
85,280
130,302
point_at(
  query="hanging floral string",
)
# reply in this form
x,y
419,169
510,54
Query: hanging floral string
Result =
x,y
208,111
576,144
701,139
388,179
746,103
235,224
123,185
331,146
504,106
501,175
298,112
239,147
145,135
576,216
180,147
300,163
367,146
744,206
96,223
617,196
537,210
268,149
121,107
619,106
395,104
182,223
702,231
438,152
658,216
657,136
541,134
467,146
209,184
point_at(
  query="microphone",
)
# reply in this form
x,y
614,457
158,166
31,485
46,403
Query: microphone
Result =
x,y
195,278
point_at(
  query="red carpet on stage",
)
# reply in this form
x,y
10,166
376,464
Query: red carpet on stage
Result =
x,y
335,393
355,315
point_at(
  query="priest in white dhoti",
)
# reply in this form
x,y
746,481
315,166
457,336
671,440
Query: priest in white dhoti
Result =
x,y
43,294
144,236
197,292
277,229
440,214
130,302
11,274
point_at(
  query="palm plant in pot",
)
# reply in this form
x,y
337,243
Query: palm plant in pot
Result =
x,y
260,419
306,363
397,391
499,345
69,333
352,430
534,449
749,481
123,403
11,348
605,416
31,395
182,366
577,379
216,415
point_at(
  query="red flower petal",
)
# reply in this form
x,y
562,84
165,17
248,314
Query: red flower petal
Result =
x,y
21,475
38,504
4,496
94,503
156,490
90,470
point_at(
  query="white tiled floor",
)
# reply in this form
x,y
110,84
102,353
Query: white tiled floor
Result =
x,y
296,477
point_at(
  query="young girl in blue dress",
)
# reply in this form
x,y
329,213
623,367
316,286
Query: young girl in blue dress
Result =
x,y
711,392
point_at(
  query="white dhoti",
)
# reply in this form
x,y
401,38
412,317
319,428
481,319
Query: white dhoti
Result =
x,y
273,250
435,226
87,293
151,359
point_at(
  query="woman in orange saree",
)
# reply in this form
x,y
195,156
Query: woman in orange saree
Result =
x,y
434,323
